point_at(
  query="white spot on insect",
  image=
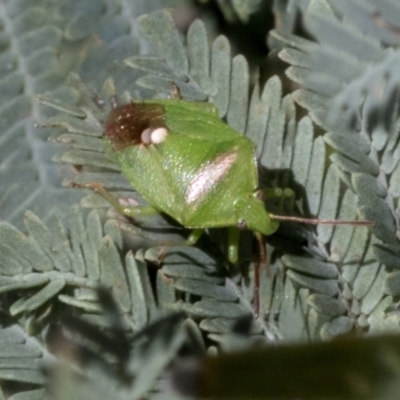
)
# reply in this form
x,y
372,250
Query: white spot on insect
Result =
x,y
209,175
159,135
153,135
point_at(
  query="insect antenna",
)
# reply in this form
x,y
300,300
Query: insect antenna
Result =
x,y
316,221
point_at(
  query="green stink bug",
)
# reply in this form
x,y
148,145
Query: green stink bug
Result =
x,y
185,162
188,164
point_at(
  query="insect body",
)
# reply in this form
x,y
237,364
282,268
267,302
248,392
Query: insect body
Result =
x,y
188,164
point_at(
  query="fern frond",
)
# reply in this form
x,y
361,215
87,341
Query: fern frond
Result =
x,y
351,64
347,54
22,358
67,261
237,9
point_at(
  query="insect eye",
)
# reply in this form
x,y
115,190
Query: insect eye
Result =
x,y
241,225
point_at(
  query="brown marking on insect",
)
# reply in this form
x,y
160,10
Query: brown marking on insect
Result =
x,y
125,124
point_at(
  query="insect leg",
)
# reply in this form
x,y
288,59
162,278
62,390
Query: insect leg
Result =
x,y
194,237
129,211
282,194
263,263
277,192
190,241
233,244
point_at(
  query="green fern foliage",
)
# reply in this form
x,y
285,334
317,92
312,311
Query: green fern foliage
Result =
x,y
233,10
347,81
60,255
20,355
